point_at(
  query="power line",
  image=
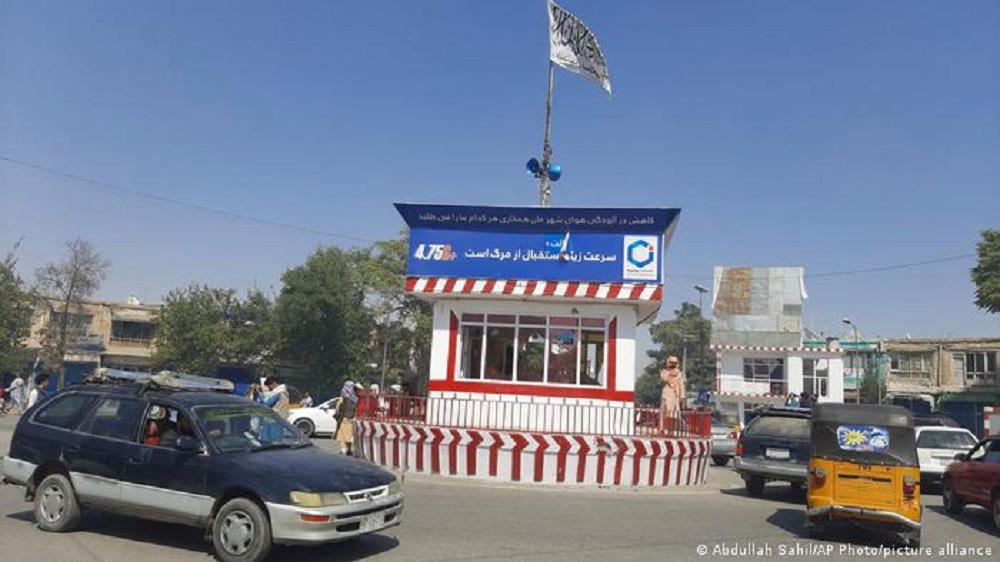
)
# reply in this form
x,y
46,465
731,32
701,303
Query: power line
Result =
x,y
120,190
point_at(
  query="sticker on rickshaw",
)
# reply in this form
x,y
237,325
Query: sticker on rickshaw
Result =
x,y
867,438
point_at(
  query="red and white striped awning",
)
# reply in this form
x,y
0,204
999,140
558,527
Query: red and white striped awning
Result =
x,y
645,292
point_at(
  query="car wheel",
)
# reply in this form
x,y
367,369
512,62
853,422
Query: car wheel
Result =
x,y
796,487
755,485
305,426
241,532
56,508
913,540
720,461
952,503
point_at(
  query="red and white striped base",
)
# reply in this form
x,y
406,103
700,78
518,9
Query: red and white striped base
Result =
x,y
534,457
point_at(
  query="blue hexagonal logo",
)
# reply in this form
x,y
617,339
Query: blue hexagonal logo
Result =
x,y
640,253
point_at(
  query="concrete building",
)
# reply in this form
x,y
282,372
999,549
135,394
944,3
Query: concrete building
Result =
x,y
757,339
106,334
940,366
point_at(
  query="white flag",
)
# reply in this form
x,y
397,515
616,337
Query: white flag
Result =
x,y
573,47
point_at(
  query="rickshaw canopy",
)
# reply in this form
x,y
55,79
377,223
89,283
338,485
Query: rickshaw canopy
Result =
x,y
864,433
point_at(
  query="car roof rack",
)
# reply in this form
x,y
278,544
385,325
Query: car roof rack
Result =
x,y
166,380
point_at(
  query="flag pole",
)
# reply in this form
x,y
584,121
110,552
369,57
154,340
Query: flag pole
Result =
x,y
544,189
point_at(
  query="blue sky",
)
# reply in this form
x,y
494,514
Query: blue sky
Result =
x,y
832,135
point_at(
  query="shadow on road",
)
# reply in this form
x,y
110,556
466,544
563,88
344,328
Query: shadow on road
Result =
x,y
793,521
772,492
192,539
973,517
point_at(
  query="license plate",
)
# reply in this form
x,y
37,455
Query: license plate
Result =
x,y
372,522
776,453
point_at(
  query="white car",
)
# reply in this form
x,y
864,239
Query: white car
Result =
x,y
937,447
317,420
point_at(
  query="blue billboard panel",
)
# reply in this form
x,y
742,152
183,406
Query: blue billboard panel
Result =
x,y
543,256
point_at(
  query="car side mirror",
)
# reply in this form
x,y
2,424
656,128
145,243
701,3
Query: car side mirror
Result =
x,y
961,457
188,444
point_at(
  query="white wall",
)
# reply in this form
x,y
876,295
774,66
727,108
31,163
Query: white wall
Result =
x,y
731,376
626,329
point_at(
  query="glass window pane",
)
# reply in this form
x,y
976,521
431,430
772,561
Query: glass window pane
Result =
x,y
472,317
65,411
501,319
592,322
472,352
808,367
500,354
533,320
563,321
116,418
562,356
592,358
531,354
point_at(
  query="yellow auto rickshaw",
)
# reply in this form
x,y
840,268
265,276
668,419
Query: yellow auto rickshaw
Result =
x,y
863,469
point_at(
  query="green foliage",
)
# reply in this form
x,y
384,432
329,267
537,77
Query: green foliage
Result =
x,y
201,328
986,274
15,315
687,330
322,318
873,388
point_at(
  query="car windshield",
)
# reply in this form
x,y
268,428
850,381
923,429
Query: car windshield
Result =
x,y
249,428
780,426
945,440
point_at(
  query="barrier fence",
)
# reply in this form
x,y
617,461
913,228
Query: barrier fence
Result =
x,y
500,415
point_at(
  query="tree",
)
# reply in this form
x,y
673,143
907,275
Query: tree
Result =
x,y
404,323
201,328
686,335
15,313
322,319
873,388
986,274
65,285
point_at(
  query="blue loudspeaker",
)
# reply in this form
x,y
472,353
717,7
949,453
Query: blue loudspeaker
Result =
x,y
555,172
532,167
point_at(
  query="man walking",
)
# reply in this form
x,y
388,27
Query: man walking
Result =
x,y
16,390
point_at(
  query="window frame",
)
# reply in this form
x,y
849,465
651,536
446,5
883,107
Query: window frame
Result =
x,y
82,414
84,425
583,324
901,364
815,377
986,374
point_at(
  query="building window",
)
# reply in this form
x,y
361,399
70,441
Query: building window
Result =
x,y
816,376
533,349
909,365
980,366
131,332
763,369
76,324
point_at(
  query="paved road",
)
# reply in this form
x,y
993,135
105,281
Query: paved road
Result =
x,y
449,519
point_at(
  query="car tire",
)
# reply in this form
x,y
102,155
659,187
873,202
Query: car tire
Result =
x,y
913,540
952,503
56,507
305,426
796,487
720,461
241,532
755,485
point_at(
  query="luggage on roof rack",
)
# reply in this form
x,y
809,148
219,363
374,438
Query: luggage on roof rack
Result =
x,y
164,379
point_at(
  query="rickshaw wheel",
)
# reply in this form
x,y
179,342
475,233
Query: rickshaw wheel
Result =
x,y
913,539
952,503
755,485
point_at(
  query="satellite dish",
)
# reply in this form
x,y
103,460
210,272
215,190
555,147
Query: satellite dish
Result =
x,y
555,172
532,167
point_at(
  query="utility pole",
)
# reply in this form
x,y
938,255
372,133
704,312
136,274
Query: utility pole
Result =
x,y
857,380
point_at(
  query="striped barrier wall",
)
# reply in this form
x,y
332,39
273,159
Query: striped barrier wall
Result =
x,y
534,457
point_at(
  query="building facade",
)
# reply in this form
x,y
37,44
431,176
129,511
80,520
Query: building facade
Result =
x,y
101,334
941,366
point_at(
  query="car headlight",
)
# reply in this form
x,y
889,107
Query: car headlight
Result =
x,y
396,487
314,499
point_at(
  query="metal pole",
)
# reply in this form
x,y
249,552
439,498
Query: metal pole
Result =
x,y
544,191
385,353
857,380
